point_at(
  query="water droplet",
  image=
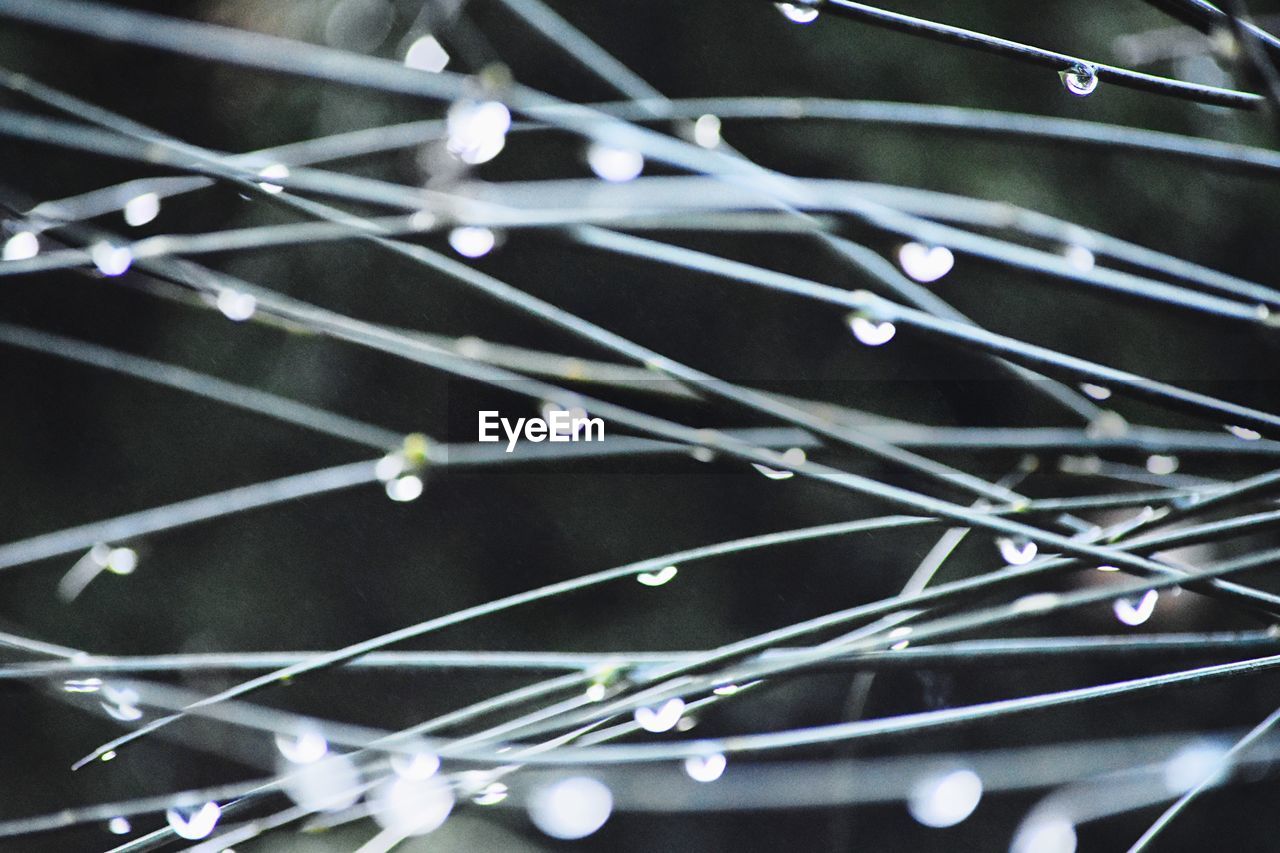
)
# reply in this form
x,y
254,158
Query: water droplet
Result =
x,y
1107,425
111,260
235,305
416,763
870,332
1161,465
615,165
570,426
82,685
794,456
945,799
706,131
491,794
1244,433
1037,602
472,347
472,242
772,473
305,747
477,130
121,561
702,454
277,171
390,466
193,823
109,755
405,489
119,826
141,209
571,808
925,263
596,692
705,768
1138,609
798,13
1193,765
1079,257
1108,568
1045,834
661,719
426,54
1079,79
1097,392
1016,552
412,806
322,785
21,246
121,703
726,690
658,578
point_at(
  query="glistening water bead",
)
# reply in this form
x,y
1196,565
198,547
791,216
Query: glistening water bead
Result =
x,y
794,456
658,578
275,170
141,209
471,241
306,746
329,784
477,130
1133,611
236,306
945,799
193,823
1016,552
407,806
571,808
925,263
706,131
491,794
871,332
662,718
1045,834
111,260
426,54
21,246
1079,79
615,165
799,13
705,768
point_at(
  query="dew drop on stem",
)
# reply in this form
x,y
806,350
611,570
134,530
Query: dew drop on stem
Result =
x,y
1135,610
799,13
945,799
571,808
1016,552
705,768
871,332
193,823
1079,79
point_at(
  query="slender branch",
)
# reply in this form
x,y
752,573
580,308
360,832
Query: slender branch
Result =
x,y
1039,56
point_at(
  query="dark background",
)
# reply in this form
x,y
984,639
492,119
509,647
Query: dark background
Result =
x,y
77,444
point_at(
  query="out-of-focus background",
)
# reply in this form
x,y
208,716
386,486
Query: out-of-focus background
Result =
x,y
78,444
